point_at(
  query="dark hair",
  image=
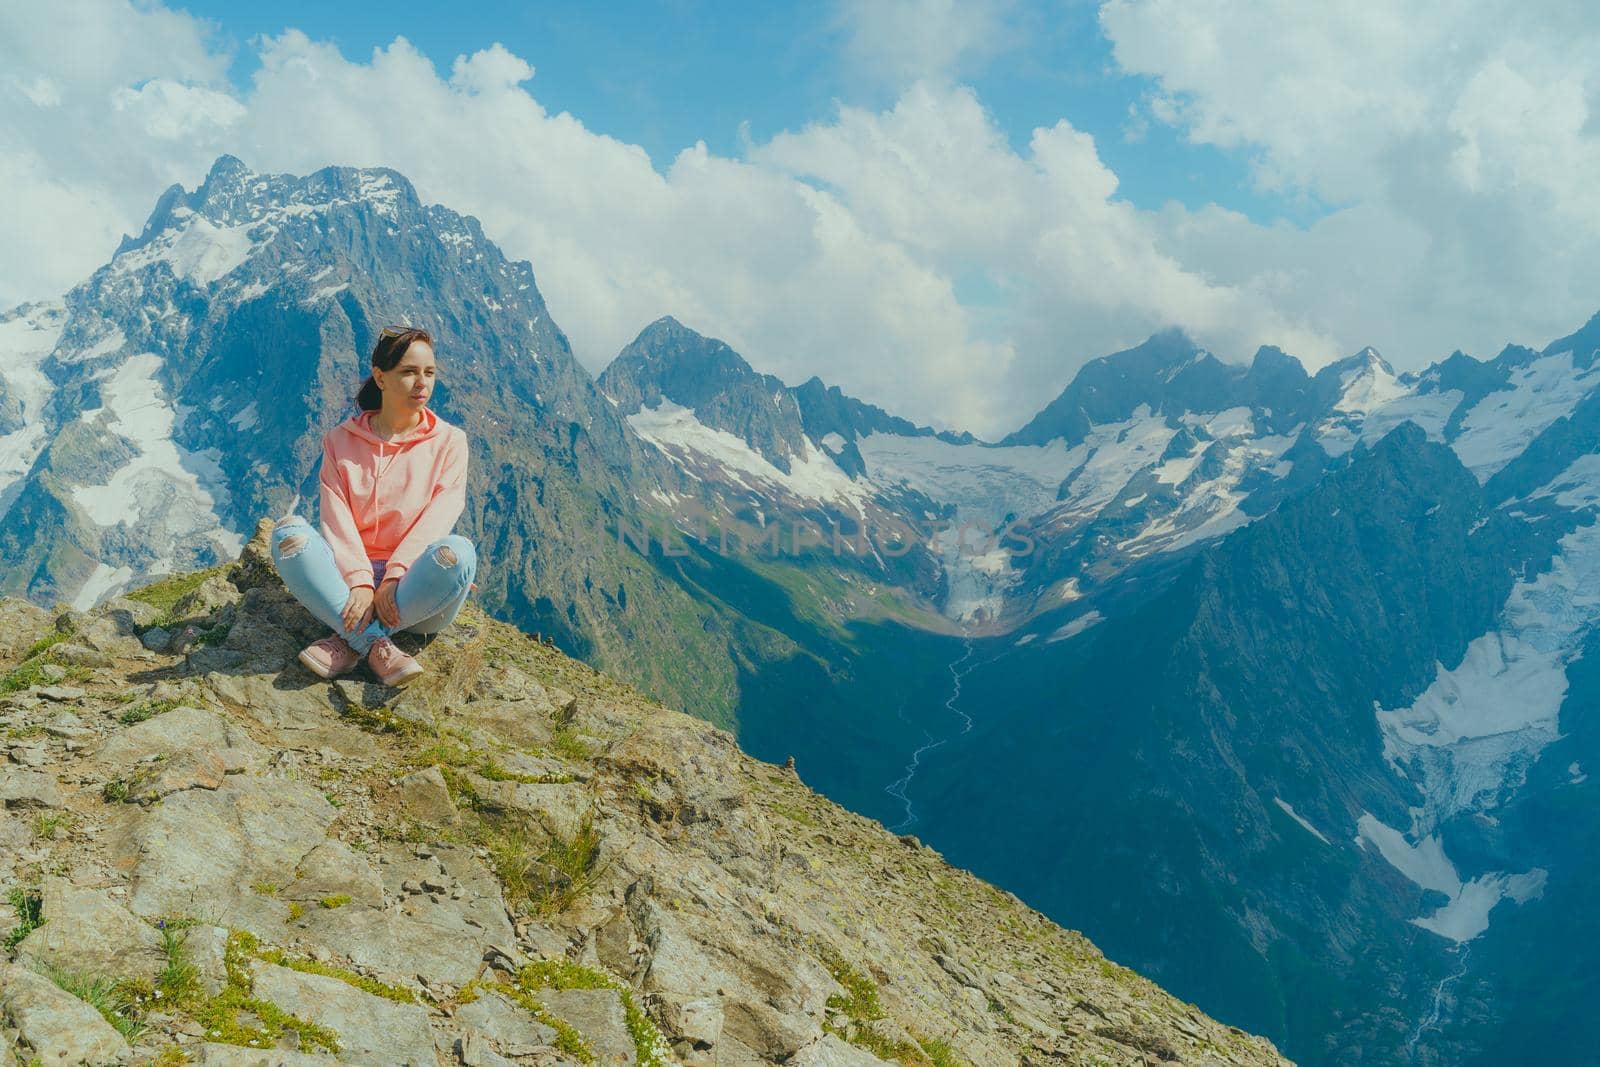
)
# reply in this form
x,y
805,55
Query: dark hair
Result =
x,y
386,355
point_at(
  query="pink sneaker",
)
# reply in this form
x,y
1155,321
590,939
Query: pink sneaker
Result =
x,y
330,657
392,666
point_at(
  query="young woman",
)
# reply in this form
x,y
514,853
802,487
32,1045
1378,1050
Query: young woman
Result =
x,y
393,485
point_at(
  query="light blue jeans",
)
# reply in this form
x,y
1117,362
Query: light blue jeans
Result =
x,y
429,594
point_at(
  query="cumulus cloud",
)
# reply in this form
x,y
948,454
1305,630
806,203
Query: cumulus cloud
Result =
x,y
911,255
1454,141
898,42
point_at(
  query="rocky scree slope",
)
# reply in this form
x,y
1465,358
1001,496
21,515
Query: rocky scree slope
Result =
x,y
212,856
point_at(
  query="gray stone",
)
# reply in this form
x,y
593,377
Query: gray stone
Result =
x,y
21,789
128,615
697,1020
473,1050
371,1030
61,692
285,706
206,602
213,1054
560,808
425,797
85,930
68,727
80,655
771,1033
333,868
21,624
30,755
156,639
207,947
59,1027
514,1030
598,1015
519,722
182,730
261,637
832,1051
186,770
196,853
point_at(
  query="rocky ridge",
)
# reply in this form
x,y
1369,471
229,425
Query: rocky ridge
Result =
x,y
212,856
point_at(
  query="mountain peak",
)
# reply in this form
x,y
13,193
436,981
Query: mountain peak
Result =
x,y
670,361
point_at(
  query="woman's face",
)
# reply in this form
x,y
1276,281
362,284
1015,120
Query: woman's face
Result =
x,y
408,386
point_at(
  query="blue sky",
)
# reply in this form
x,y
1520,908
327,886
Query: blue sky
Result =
x,y
667,74
942,206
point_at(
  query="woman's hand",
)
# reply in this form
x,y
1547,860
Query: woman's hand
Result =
x,y
358,609
388,610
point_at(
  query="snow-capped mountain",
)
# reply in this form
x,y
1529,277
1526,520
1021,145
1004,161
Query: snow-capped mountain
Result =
x,y
180,393
1147,452
1276,683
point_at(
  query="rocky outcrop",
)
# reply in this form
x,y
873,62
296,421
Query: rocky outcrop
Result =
x,y
517,860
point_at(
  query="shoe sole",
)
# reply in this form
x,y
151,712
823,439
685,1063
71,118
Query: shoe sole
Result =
x,y
401,676
318,669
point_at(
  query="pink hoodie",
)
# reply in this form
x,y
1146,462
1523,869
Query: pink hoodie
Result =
x,y
389,500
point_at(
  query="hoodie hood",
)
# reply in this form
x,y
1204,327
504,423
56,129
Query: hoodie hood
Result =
x,y
360,425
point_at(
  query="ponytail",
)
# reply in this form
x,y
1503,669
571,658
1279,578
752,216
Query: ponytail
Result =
x,y
386,355
370,398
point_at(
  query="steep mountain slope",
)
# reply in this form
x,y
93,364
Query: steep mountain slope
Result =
x,y
518,860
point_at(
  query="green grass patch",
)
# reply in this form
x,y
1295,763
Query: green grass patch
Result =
x,y
147,709
46,823
337,900
28,907
221,1014
568,1040
566,743
649,1045
793,813
939,1052
117,1002
31,673
857,1008
547,880
45,643
164,595
395,993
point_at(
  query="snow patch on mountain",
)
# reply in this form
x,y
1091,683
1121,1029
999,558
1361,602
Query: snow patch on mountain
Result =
x,y
1502,424
985,485
27,337
1109,456
1209,507
199,250
1076,626
812,476
1426,866
104,582
1469,740
1288,810
171,495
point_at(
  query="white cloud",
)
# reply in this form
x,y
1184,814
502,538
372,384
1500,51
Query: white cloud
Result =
x,y
910,255
897,42
1457,142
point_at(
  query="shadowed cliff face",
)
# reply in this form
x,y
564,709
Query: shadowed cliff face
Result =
x,y
517,859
